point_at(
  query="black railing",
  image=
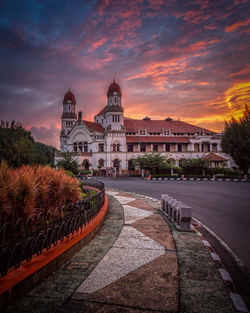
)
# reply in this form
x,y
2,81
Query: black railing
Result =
x,y
23,239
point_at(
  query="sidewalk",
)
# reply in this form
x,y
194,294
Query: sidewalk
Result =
x,y
136,263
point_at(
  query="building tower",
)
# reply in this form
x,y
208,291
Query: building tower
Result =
x,y
114,109
68,118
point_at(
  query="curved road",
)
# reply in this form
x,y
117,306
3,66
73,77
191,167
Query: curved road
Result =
x,y
224,207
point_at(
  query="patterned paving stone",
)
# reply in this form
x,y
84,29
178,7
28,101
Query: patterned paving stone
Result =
x,y
133,214
124,200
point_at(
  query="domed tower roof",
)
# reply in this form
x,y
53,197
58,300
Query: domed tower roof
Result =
x,y
69,96
114,87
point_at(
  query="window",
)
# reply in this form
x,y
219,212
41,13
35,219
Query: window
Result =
x,y
155,148
179,147
101,147
130,148
142,132
75,146
143,148
118,147
167,147
115,118
85,146
80,146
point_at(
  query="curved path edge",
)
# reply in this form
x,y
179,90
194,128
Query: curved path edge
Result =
x,y
18,281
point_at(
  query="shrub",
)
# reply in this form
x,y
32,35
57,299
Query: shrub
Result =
x,y
25,190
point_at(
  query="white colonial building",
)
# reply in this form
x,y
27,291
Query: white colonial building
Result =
x,y
112,140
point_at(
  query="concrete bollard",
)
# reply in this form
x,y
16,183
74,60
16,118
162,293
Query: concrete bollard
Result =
x,y
163,202
184,219
171,204
177,207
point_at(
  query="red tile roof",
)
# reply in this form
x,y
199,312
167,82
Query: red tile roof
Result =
x,y
94,126
157,139
132,125
213,157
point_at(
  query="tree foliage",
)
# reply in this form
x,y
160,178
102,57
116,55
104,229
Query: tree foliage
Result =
x,y
17,146
68,163
194,166
236,140
153,162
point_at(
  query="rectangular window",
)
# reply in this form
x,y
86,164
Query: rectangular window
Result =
x,y
143,148
179,147
167,147
101,147
142,132
115,118
130,148
118,147
155,148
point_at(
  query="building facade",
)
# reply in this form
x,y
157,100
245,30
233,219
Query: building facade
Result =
x,y
112,141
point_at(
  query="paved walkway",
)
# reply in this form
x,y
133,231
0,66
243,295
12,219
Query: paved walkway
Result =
x,y
136,263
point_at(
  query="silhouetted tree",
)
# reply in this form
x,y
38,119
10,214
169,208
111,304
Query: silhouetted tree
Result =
x,y
236,140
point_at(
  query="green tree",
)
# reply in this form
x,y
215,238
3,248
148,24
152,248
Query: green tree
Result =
x,y
16,144
153,162
236,140
194,166
44,154
18,147
68,163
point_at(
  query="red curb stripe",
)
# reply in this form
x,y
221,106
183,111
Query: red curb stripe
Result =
x,y
28,268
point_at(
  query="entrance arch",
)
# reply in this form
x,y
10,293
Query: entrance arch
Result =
x,y
85,165
116,164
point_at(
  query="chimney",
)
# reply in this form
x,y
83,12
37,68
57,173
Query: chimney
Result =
x,y
80,115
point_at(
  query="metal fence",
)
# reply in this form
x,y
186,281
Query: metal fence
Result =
x,y
23,239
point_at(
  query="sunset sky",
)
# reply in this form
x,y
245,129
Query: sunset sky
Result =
x,y
183,59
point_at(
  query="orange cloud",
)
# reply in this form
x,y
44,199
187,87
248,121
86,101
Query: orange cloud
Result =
x,y
95,45
236,25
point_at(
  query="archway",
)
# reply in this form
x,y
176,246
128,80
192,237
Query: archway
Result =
x,y
116,164
182,161
85,165
101,163
171,161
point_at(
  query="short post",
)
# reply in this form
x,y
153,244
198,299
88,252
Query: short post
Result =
x,y
184,218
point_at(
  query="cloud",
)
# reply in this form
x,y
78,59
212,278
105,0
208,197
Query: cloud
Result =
x,y
49,136
171,58
237,25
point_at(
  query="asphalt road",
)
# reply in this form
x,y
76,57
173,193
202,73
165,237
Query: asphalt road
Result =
x,y
224,207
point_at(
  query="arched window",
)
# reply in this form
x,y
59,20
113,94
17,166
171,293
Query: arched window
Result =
x,y
80,146
85,146
182,161
116,164
101,163
75,146
116,147
171,161
85,165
